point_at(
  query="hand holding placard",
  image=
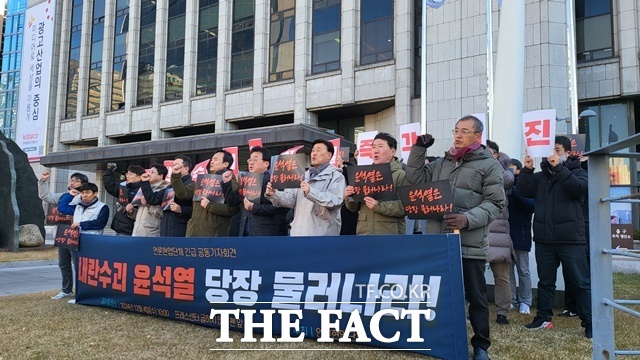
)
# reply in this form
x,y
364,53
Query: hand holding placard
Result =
x,y
427,200
67,237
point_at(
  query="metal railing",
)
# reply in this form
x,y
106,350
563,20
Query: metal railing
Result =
x,y
602,301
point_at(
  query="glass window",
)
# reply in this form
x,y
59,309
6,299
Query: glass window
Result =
x,y
376,38
281,40
175,51
146,60
207,47
242,42
95,66
74,60
594,30
119,73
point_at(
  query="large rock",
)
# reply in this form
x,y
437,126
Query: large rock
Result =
x,y
30,236
16,170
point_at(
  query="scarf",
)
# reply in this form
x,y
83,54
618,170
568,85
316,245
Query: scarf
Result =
x,y
86,205
459,153
313,172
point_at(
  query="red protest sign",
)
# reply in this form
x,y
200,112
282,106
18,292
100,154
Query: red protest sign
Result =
x,y
209,186
255,142
200,168
375,181
66,237
427,200
288,171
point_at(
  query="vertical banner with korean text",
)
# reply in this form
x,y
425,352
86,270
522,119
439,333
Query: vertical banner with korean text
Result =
x,y
539,129
35,79
365,144
365,278
408,135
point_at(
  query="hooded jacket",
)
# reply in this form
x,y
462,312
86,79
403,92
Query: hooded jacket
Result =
x,y
558,193
478,192
500,245
318,213
388,217
149,216
214,220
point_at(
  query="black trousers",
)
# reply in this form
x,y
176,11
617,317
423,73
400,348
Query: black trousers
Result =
x,y
475,288
577,277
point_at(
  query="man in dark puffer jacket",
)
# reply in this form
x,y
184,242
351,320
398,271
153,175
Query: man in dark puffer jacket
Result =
x,y
558,230
121,223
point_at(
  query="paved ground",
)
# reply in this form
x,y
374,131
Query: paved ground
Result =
x,y
28,279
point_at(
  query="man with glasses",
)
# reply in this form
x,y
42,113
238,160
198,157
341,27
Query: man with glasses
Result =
x,y
478,197
65,256
261,218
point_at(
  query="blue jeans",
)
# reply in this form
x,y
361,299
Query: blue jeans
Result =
x,y
577,277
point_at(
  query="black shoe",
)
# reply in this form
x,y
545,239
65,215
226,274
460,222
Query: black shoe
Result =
x,y
502,320
480,354
588,332
539,323
567,313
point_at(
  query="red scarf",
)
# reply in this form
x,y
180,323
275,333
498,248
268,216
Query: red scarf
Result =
x,y
458,153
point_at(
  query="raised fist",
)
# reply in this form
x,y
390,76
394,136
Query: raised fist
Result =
x,y
425,140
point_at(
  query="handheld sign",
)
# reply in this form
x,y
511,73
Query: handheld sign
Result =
x,y
138,199
427,200
374,181
539,129
578,142
123,195
209,186
55,217
250,186
66,237
167,198
288,171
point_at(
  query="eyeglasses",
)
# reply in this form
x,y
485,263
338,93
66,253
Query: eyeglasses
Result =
x,y
464,132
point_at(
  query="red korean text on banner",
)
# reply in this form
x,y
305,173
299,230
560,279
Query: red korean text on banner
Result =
x,y
365,147
200,168
209,186
250,186
66,237
539,130
255,142
233,150
288,171
408,135
430,200
375,181
55,217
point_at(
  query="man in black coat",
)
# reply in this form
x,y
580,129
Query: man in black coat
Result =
x,y
558,230
260,218
122,224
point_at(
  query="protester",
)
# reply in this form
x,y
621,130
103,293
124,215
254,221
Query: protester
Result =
x,y
520,212
148,213
476,180
558,230
381,217
176,216
121,223
65,256
208,218
318,201
500,245
256,219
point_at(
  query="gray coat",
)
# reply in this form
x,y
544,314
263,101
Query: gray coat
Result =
x,y
500,245
318,213
478,193
148,217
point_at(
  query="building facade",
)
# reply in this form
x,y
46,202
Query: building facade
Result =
x,y
13,24
147,70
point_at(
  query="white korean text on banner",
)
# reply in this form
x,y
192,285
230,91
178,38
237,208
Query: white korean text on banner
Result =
x,y
539,129
408,135
35,79
365,147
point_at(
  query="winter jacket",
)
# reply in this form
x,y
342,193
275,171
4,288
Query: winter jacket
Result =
x,y
558,194
148,216
388,217
500,245
174,224
318,213
264,219
121,223
92,217
478,192
520,212
215,220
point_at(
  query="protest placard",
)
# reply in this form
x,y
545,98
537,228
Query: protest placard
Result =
x,y
66,237
209,186
429,200
375,181
167,198
55,217
288,171
250,186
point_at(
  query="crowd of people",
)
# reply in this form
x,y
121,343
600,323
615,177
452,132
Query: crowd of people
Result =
x,y
494,199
